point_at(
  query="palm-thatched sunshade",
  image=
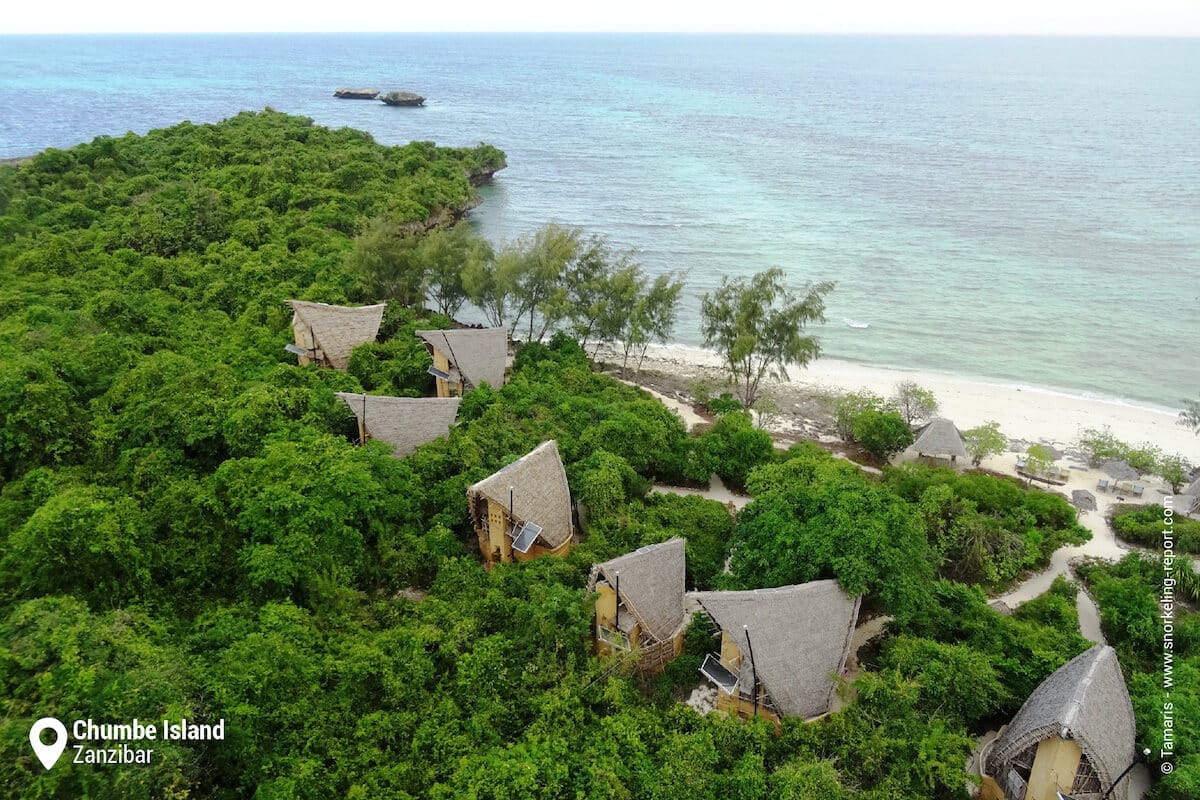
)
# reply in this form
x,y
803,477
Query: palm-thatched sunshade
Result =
x,y
1119,469
652,585
1083,499
1084,700
800,636
329,333
939,438
475,355
405,423
536,486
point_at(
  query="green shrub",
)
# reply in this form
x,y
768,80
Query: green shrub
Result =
x,y
733,446
1144,525
850,407
724,404
882,433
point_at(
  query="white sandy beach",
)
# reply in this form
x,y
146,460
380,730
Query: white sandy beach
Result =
x,y
1028,413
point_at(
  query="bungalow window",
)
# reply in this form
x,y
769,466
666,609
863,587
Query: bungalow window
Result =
x,y
1086,779
614,637
1023,763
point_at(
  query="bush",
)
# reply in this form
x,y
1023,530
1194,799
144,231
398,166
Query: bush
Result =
x,y
987,529
602,482
1100,445
850,407
724,404
733,447
1144,525
882,433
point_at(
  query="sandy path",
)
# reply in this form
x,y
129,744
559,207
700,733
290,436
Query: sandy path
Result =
x,y
716,490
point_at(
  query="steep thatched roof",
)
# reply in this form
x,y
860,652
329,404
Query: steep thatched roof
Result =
x,y
801,637
1087,698
652,585
1186,504
478,355
539,492
339,329
405,423
939,438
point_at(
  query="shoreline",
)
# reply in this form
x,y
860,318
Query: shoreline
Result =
x,y
1025,413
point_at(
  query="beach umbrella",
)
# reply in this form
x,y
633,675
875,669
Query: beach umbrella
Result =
x,y
1119,468
1083,500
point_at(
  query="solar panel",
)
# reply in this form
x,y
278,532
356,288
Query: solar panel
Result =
x,y
437,373
295,349
525,536
715,671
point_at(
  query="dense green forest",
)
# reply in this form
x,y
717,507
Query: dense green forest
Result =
x,y
189,530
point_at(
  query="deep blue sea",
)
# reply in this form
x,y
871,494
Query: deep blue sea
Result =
x,y
1024,210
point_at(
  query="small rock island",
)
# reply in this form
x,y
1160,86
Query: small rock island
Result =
x,y
356,94
403,99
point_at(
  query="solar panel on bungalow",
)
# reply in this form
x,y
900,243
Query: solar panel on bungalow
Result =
x,y
526,535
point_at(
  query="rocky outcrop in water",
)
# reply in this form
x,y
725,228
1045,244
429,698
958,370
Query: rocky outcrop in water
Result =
x,y
403,99
356,94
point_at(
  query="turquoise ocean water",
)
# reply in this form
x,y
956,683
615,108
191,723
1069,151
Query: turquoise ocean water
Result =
x,y
1023,210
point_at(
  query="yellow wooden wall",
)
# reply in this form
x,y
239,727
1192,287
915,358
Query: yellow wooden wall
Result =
x,y
303,335
445,388
1054,769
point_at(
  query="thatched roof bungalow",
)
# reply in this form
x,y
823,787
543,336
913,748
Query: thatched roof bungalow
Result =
x,y
939,437
781,649
464,358
640,608
326,334
405,423
1074,734
1186,504
524,510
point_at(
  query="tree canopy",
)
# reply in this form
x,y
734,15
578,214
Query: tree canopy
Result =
x,y
756,324
188,527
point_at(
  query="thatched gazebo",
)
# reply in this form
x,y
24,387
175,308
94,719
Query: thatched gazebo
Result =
x,y
464,358
781,649
405,423
326,334
1083,500
1119,469
939,438
524,510
641,604
1074,734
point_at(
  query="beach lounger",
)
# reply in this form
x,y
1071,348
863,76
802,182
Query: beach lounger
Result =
x,y
1137,490
1102,485
1021,463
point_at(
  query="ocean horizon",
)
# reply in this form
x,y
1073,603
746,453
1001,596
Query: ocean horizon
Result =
x,y
1023,210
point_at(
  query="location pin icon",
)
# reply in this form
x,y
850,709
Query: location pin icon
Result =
x,y
48,753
